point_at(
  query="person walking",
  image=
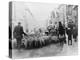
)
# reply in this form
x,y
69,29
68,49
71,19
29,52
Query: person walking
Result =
x,y
61,34
69,31
18,34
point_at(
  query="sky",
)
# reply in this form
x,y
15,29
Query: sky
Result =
x,y
32,15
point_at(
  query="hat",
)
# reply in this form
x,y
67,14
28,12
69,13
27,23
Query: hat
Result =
x,y
19,22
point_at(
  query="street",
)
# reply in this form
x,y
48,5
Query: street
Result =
x,y
51,50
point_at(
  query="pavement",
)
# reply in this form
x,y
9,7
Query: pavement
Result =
x,y
51,50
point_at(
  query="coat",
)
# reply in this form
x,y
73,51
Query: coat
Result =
x,y
18,31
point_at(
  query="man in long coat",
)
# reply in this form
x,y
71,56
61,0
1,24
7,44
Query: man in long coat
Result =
x,y
18,34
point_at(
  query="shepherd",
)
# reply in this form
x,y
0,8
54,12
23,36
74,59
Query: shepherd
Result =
x,y
18,34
